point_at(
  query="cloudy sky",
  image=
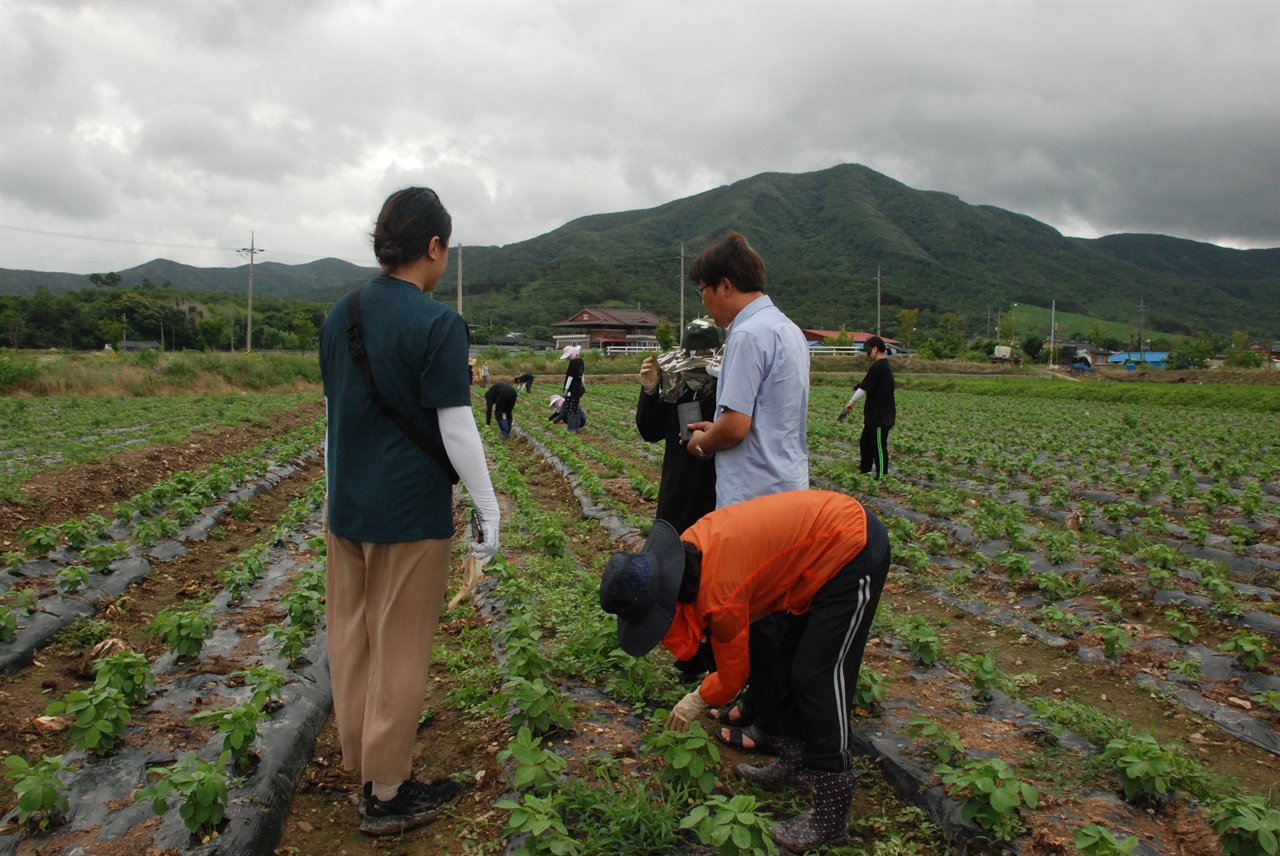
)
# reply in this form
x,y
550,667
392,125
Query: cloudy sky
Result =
x,y
135,130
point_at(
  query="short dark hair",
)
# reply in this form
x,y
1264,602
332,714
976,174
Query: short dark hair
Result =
x,y
874,342
692,579
729,258
409,219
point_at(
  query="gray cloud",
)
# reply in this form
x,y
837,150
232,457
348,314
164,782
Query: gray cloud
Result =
x,y
195,123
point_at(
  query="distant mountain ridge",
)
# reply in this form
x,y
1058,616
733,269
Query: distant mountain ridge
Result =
x,y
822,235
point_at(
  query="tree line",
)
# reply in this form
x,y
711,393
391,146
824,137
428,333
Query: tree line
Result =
x,y
173,318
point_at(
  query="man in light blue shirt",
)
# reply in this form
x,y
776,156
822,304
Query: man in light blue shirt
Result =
x,y
758,438
762,400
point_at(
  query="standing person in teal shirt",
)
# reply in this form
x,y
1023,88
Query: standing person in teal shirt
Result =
x,y
390,504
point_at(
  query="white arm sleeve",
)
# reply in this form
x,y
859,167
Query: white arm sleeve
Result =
x,y
858,395
462,442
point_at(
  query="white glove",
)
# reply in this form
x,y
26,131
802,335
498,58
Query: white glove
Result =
x,y
686,711
487,548
462,442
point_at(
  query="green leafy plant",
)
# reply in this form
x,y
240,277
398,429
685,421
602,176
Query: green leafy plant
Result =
x,y
304,606
1189,666
1269,699
1179,628
98,716
1147,769
1016,565
537,819
732,826
989,795
126,671
201,784
292,639
536,705
44,538
238,726
72,578
943,742
923,642
100,556
41,800
1095,840
691,756
983,670
9,621
536,767
1056,587
871,690
1247,647
183,630
264,684
1247,825
1114,639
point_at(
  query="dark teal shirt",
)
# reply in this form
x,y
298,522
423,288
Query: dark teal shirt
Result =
x,y
382,486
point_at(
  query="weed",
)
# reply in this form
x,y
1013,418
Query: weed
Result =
x,y
944,743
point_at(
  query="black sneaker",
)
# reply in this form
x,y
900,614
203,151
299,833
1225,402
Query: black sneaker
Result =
x,y
415,805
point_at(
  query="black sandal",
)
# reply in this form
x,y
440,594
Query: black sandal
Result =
x,y
764,744
744,719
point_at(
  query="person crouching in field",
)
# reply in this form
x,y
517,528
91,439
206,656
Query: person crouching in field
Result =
x,y
818,557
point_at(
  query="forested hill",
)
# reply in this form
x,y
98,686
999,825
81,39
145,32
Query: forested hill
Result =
x,y
822,235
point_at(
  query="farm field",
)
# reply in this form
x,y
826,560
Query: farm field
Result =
x,y
1082,602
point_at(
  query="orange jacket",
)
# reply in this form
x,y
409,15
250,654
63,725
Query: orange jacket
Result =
x,y
765,555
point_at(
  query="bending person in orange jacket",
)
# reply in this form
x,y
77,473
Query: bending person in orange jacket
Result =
x,y
817,555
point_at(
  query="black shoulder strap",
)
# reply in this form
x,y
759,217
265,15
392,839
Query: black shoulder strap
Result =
x,y
355,346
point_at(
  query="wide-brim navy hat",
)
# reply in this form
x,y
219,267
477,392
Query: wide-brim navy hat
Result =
x,y
641,589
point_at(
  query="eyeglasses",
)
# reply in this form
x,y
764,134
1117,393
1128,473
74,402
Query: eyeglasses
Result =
x,y
702,288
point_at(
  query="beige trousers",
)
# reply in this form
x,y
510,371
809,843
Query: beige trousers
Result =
x,y
383,605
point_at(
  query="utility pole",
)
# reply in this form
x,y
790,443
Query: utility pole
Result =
x,y
459,279
252,250
680,285
1053,329
877,300
1142,348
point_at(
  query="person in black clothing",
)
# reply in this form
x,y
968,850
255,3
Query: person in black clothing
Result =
x,y
879,412
525,380
684,374
500,397
574,388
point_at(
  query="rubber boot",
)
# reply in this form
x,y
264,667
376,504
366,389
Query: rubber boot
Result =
x,y
827,822
783,774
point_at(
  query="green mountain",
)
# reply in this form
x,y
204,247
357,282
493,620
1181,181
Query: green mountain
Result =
x,y
822,235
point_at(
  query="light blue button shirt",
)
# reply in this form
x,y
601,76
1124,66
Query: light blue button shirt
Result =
x,y
765,375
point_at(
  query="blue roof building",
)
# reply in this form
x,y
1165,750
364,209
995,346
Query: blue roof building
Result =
x,y
1155,359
